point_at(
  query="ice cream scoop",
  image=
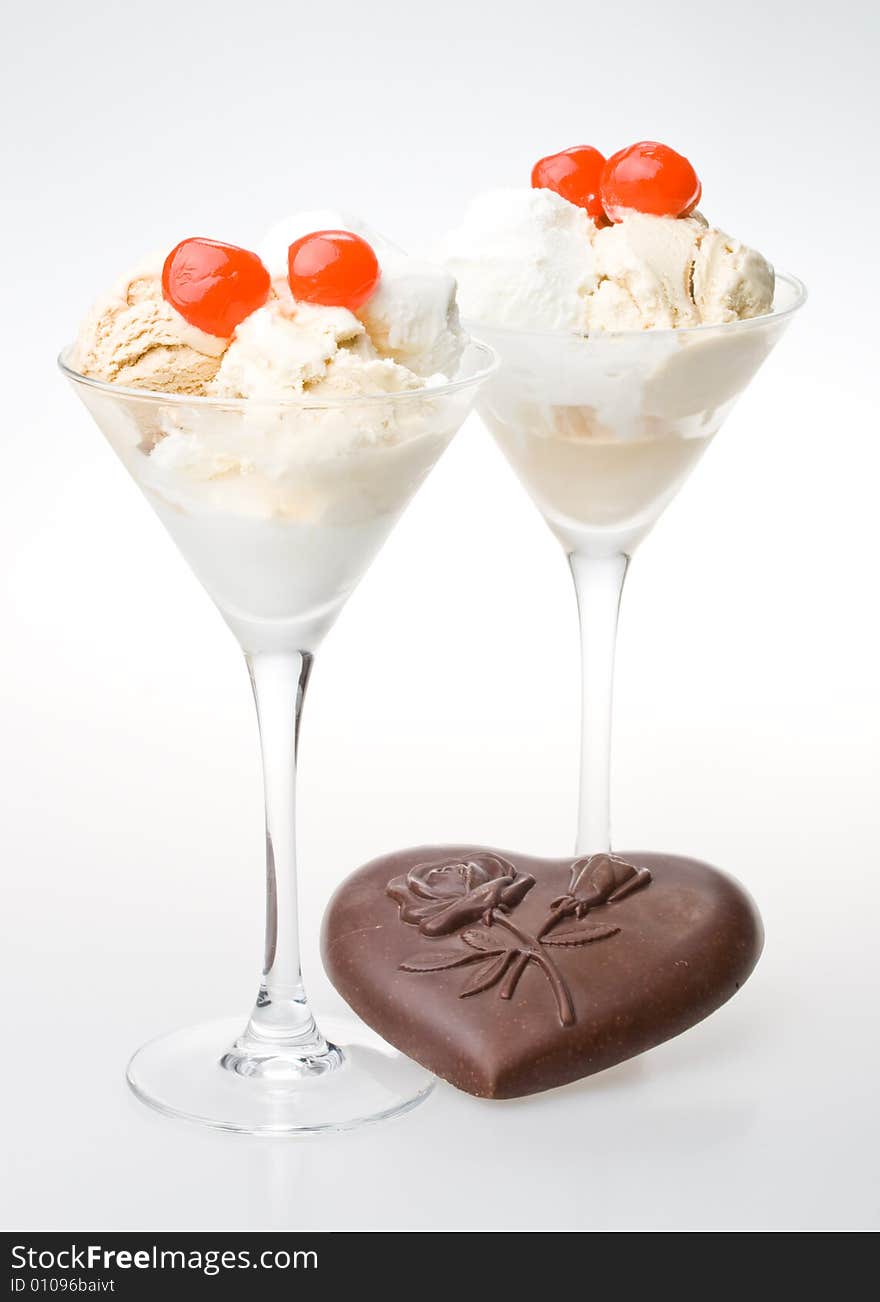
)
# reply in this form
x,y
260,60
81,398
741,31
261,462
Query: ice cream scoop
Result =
x,y
404,334
412,317
523,258
132,336
530,260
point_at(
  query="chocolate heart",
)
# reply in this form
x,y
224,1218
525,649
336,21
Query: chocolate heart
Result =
x,y
507,974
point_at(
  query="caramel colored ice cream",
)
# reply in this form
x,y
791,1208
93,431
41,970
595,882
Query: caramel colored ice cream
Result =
x,y
132,336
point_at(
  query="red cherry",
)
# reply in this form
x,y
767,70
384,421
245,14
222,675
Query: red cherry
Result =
x,y
333,268
575,174
652,178
214,286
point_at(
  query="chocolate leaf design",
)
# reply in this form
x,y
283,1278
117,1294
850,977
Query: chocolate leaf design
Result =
x,y
486,975
579,935
436,960
515,971
491,942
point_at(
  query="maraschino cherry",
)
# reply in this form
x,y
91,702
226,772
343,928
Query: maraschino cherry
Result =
x,y
333,268
214,286
649,177
576,174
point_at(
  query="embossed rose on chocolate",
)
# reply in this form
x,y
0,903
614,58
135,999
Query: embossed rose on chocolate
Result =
x,y
596,879
441,896
602,877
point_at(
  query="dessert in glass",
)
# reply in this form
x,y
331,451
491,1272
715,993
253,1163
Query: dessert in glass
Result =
x,y
279,411
627,328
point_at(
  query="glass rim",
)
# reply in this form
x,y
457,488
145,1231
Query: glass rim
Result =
x,y
490,364
727,327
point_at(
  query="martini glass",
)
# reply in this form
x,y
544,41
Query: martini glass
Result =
x,y
279,508
603,431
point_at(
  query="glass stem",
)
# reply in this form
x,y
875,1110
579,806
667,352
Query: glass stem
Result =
x,y
598,581
281,1025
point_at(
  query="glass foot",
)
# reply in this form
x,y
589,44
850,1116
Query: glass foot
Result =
x,y
181,1075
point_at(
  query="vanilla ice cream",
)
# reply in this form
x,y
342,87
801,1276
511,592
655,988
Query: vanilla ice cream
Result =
x,y
523,258
410,324
286,349
322,425
412,317
530,260
606,399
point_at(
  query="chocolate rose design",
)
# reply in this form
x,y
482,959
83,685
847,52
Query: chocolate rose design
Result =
x,y
596,879
443,896
447,895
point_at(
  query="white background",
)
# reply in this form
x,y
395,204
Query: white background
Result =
x,y
444,703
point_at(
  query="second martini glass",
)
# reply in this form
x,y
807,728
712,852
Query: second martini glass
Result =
x,y
279,508
602,432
